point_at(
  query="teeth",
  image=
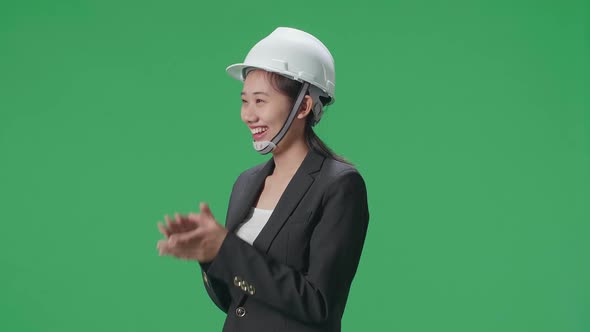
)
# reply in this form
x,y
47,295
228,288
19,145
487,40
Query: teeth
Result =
x,y
259,130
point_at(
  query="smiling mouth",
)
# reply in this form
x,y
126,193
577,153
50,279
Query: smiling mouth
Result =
x,y
259,132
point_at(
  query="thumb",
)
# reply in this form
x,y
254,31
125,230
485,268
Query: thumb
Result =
x,y
204,207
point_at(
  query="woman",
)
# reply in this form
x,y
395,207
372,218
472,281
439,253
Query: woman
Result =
x,y
296,224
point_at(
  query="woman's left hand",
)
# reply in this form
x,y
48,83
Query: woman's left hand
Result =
x,y
201,243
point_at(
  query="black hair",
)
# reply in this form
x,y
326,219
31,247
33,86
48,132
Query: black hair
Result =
x,y
290,88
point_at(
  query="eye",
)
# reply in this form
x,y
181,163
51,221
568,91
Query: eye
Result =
x,y
257,100
243,101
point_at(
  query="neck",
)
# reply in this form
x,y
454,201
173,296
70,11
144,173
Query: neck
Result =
x,y
288,161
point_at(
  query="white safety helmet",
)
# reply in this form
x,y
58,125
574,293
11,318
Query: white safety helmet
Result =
x,y
297,55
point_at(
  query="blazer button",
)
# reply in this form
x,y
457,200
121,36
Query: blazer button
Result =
x,y
237,281
251,289
240,311
244,285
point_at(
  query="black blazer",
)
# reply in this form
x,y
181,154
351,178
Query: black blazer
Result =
x,y
297,274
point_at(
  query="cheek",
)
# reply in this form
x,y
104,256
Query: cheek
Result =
x,y
266,112
277,114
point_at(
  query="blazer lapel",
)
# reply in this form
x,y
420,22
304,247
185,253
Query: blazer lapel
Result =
x,y
297,187
247,195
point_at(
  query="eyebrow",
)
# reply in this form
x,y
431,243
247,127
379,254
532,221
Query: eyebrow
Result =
x,y
256,93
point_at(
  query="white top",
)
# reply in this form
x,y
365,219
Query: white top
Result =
x,y
256,219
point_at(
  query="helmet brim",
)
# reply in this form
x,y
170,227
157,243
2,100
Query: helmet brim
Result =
x,y
237,71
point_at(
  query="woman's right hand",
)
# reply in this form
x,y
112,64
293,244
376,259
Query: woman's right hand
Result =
x,y
180,224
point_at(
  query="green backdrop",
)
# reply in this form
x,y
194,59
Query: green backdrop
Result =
x,y
470,121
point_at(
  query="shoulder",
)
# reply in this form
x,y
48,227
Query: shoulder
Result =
x,y
337,175
343,186
332,169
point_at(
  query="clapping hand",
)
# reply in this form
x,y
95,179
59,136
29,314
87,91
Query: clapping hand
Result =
x,y
196,236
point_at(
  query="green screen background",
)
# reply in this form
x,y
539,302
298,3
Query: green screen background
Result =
x,y
469,120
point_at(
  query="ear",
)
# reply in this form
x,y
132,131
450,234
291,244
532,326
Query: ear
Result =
x,y
305,108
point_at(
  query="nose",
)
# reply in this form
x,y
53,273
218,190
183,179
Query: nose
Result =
x,y
248,113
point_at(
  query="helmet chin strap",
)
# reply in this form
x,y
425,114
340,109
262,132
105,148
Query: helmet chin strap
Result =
x,y
264,147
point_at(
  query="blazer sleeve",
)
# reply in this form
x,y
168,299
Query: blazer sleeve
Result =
x,y
320,294
216,288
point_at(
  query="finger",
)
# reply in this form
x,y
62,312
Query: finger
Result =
x,y
205,208
167,249
191,236
207,211
182,223
162,247
175,222
189,223
180,227
194,218
177,252
163,229
184,238
168,222
181,252
172,224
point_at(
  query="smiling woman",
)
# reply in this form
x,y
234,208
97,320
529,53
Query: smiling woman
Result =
x,y
296,224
